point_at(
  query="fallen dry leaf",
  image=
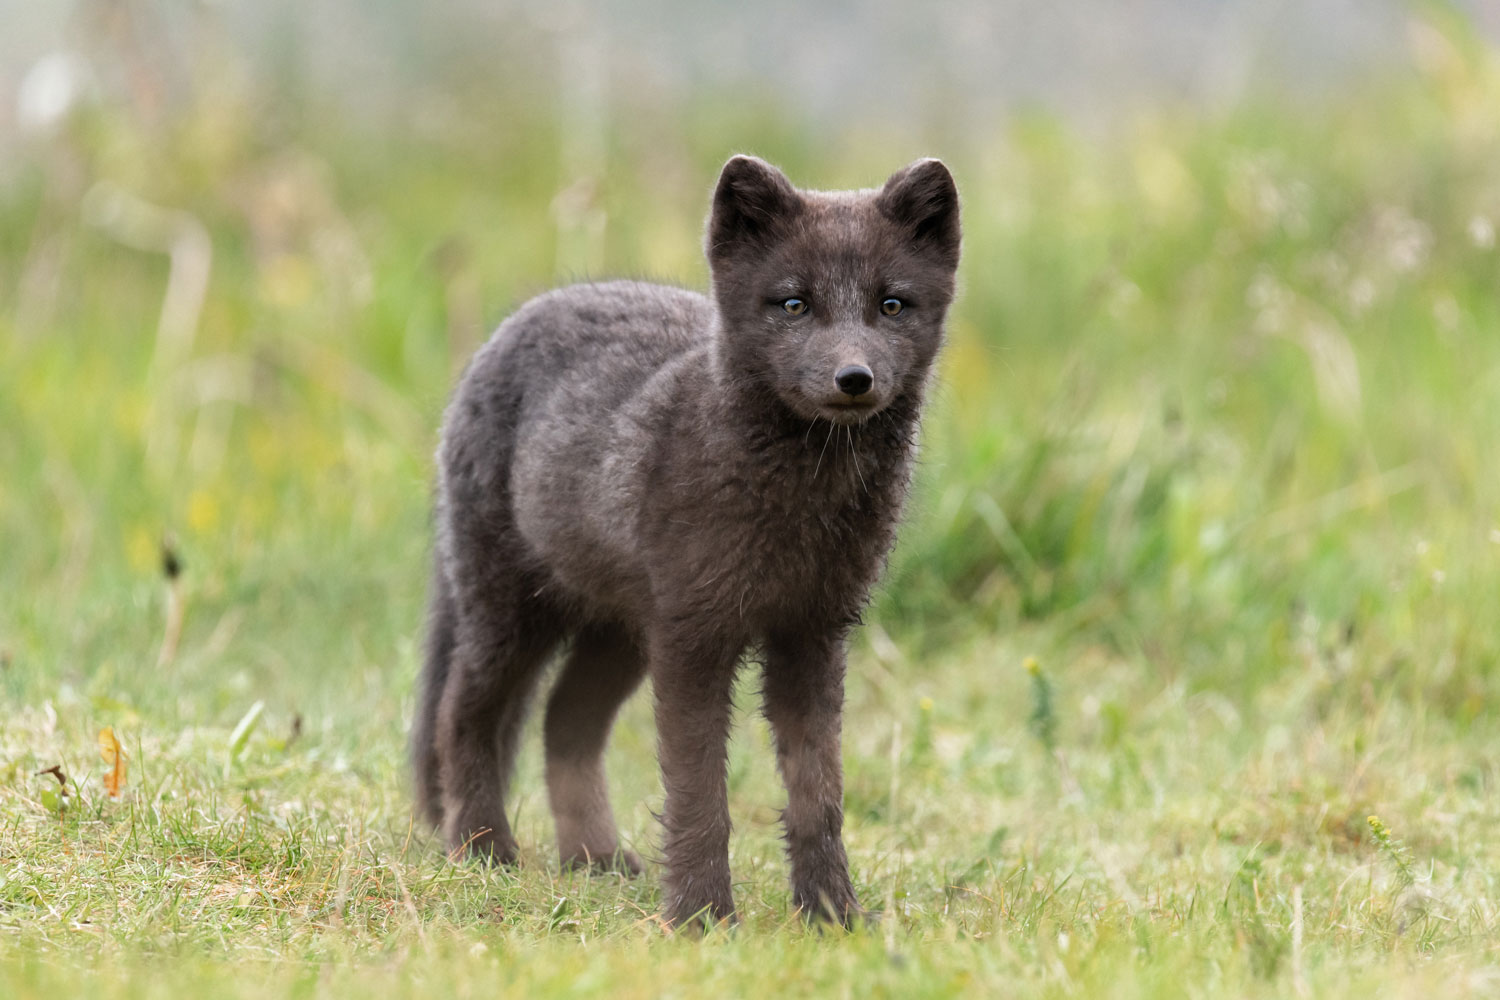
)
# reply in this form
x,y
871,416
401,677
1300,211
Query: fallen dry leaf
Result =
x,y
114,756
57,772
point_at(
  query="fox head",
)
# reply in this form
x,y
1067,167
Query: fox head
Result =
x,y
832,302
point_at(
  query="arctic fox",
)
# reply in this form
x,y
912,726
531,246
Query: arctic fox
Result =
x,y
662,483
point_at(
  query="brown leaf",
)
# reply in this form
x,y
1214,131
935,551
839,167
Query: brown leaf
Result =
x,y
57,772
114,756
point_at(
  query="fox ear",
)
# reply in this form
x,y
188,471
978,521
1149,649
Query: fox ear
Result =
x,y
923,199
752,201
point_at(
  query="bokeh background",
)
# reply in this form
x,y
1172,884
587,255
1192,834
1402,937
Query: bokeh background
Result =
x,y
1224,368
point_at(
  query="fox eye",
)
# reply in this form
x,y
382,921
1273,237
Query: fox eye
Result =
x,y
794,307
892,307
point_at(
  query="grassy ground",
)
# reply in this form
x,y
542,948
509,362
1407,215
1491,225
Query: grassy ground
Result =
x,y
1201,573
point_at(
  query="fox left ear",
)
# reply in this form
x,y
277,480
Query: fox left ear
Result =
x,y
752,202
923,199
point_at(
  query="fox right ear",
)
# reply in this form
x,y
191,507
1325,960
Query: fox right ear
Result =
x,y
923,200
753,199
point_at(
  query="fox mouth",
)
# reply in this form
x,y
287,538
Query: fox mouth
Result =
x,y
848,411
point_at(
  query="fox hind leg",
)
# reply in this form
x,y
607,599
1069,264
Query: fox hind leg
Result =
x,y
500,646
604,667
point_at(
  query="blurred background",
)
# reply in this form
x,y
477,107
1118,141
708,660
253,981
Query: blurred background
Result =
x,y
1222,396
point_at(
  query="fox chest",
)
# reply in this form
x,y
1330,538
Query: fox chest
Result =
x,y
768,562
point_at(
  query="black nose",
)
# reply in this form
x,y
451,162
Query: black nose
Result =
x,y
854,380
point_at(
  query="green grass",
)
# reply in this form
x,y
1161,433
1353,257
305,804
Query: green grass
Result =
x,y
1214,445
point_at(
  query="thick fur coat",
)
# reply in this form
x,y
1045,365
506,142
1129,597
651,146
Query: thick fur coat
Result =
x,y
660,483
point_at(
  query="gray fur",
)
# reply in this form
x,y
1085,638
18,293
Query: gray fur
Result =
x,y
664,482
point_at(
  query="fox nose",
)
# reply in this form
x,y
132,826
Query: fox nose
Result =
x,y
854,380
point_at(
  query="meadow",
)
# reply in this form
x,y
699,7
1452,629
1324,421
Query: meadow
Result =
x,y
1183,680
